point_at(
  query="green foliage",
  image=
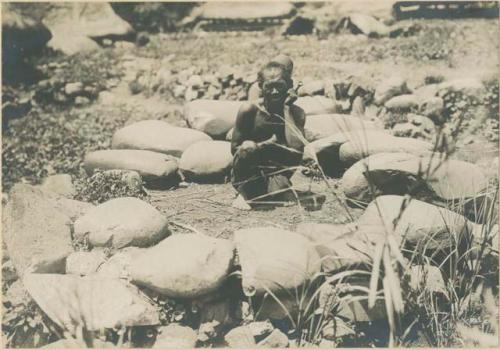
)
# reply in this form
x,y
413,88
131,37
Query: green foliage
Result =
x,y
102,186
45,143
25,325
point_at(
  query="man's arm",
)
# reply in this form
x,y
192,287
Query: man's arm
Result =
x,y
243,126
299,119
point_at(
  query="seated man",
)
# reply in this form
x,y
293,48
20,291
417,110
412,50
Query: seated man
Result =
x,y
267,141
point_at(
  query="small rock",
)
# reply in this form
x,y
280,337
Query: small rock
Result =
x,y
121,222
179,91
392,87
240,337
84,263
432,108
107,42
195,82
427,277
175,336
316,87
208,331
402,102
276,339
73,88
61,184
260,329
125,45
81,101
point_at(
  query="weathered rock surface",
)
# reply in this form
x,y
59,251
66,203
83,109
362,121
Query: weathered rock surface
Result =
x,y
368,25
423,177
122,222
157,169
353,151
207,161
213,117
265,265
175,336
240,337
315,87
37,235
392,87
92,302
118,265
156,136
420,223
61,184
277,339
340,246
187,265
324,125
84,263
317,105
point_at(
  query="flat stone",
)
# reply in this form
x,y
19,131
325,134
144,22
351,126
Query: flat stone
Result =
x,y
122,222
157,169
276,339
240,337
156,136
92,302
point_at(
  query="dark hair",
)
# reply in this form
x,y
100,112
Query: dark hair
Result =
x,y
272,66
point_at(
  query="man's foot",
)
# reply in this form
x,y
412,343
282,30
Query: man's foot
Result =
x,y
241,204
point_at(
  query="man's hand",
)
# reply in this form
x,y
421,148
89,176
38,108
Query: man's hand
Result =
x,y
248,146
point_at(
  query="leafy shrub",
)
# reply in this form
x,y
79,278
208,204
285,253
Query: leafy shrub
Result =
x,y
102,186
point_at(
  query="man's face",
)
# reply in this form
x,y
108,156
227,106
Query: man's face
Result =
x,y
274,87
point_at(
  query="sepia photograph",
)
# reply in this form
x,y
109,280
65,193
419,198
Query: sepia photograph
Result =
x,y
249,174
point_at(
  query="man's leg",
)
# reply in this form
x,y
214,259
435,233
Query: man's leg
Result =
x,y
246,178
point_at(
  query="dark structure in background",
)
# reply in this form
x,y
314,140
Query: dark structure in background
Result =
x,y
445,9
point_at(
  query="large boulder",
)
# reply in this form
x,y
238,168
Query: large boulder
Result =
x,y
92,302
422,225
117,266
74,23
38,236
422,177
402,102
213,117
207,161
389,88
267,265
157,136
324,125
122,222
184,266
317,105
156,169
355,150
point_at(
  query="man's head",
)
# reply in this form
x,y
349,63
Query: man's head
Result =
x,y
285,61
274,81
